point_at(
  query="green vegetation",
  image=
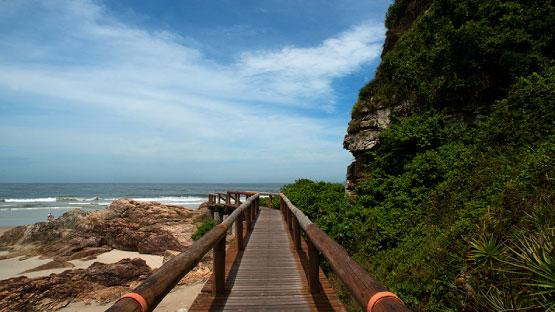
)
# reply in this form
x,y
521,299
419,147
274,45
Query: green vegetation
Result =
x,y
264,201
204,224
462,53
451,215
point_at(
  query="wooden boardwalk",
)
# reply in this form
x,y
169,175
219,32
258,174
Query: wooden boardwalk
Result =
x,y
267,275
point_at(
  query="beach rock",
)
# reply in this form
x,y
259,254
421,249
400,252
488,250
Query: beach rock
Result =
x,y
146,227
55,291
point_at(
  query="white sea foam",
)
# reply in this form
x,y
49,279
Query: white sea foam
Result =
x,y
167,199
79,204
31,200
40,208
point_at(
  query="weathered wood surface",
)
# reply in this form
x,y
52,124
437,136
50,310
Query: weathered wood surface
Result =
x,y
268,275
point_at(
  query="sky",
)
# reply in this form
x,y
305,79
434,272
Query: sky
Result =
x,y
182,91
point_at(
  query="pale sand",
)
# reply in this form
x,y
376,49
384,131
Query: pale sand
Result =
x,y
13,267
181,297
5,228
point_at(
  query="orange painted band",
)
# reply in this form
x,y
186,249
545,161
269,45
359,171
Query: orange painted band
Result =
x,y
138,298
379,296
225,226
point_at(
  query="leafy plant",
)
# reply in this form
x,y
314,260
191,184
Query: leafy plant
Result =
x,y
206,224
487,248
533,262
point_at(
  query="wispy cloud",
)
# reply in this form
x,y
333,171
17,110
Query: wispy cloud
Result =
x,y
184,106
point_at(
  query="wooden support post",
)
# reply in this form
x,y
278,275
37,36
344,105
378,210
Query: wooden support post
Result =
x,y
219,267
253,211
313,269
270,201
290,222
248,217
258,204
239,232
281,206
296,234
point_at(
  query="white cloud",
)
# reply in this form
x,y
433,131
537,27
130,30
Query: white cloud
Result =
x,y
77,54
309,72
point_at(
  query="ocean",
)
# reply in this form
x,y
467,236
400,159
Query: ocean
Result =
x,y
27,203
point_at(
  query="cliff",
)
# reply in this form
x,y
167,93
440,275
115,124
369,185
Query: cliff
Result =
x,y
454,145
455,57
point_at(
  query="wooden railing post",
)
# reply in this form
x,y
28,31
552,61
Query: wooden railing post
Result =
x,y
248,216
296,234
219,267
313,270
258,204
270,201
253,211
239,232
281,206
290,221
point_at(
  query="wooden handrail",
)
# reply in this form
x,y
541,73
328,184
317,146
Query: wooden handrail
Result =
x,y
162,281
363,287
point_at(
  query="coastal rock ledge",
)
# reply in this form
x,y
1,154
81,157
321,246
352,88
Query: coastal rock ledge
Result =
x,y
146,227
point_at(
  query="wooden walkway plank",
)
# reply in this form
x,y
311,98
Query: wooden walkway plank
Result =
x,y
268,275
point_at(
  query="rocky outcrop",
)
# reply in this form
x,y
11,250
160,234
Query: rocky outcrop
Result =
x,y
101,282
362,135
126,224
370,116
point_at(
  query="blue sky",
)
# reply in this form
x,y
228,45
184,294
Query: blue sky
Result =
x,y
182,91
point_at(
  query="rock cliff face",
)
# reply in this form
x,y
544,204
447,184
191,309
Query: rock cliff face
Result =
x,y
372,112
371,116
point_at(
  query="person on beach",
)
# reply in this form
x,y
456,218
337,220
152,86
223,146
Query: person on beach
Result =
x,y
50,217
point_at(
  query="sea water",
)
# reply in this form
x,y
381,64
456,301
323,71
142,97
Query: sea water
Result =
x,y
27,203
